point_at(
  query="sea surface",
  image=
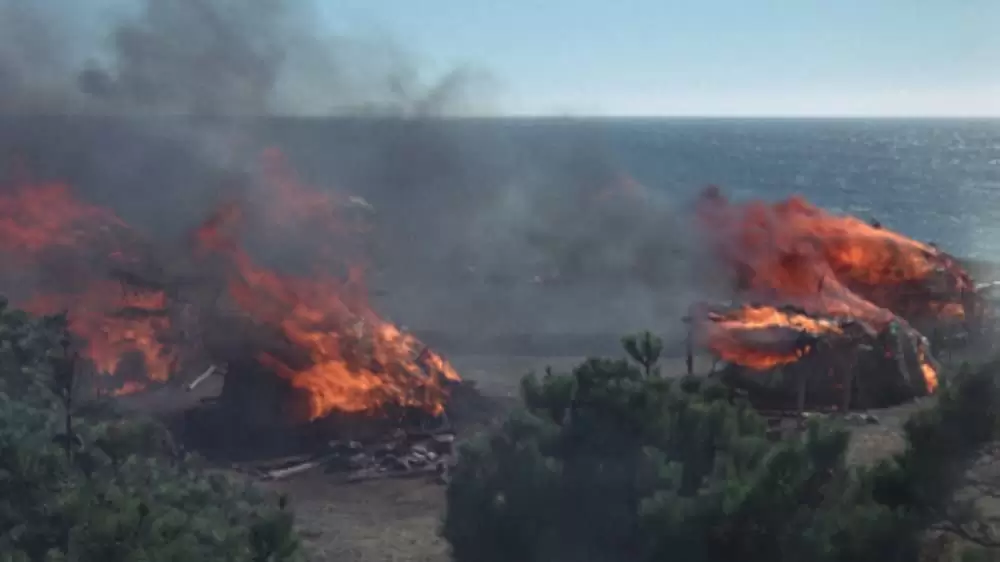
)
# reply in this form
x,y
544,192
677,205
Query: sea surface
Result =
x,y
934,179
436,183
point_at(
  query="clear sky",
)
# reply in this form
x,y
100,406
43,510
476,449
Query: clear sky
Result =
x,y
706,57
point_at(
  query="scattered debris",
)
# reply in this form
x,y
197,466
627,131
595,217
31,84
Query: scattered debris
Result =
x,y
282,473
864,418
201,378
787,423
402,455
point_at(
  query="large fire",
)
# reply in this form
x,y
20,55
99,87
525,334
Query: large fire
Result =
x,y
762,337
57,253
743,335
356,361
830,266
62,254
113,322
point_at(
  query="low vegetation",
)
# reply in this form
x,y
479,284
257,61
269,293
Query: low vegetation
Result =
x,y
79,482
608,463
614,462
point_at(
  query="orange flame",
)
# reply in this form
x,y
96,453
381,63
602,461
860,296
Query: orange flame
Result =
x,y
357,361
833,266
38,219
750,318
929,372
730,334
97,316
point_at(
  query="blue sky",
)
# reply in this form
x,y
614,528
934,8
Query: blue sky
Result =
x,y
706,57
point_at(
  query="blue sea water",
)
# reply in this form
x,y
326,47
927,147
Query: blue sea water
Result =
x,y
932,179
936,180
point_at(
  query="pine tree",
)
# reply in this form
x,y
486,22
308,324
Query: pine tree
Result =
x,y
79,481
615,462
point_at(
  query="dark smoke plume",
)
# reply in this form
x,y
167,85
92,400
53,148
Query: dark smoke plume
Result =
x,y
160,108
207,58
177,93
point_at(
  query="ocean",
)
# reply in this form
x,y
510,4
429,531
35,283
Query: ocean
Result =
x,y
934,179
455,193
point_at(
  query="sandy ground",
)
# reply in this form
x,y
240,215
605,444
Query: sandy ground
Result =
x,y
382,520
395,520
398,520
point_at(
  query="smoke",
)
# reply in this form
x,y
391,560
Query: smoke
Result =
x,y
210,59
161,105
33,68
160,109
189,58
552,236
588,248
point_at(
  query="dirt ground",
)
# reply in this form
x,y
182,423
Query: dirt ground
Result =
x,y
382,520
398,520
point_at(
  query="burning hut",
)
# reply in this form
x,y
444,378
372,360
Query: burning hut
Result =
x,y
781,355
298,343
319,334
845,302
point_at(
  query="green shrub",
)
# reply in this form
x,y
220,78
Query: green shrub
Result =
x,y
613,462
80,482
942,442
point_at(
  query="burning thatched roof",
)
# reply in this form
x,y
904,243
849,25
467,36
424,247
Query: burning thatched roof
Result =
x,y
335,350
825,278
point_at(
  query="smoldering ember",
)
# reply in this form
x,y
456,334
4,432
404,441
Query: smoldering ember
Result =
x,y
822,304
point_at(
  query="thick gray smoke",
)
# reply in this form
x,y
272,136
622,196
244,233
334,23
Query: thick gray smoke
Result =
x,y
162,105
208,58
570,242
160,108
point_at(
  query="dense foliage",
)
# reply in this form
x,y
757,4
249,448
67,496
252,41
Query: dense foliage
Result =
x,y
614,462
80,482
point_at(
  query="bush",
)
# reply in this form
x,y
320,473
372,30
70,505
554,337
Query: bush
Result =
x,y
614,462
942,442
80,482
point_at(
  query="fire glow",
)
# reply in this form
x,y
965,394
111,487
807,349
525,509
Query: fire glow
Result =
x,y
44,229
793,253
357,361
354,360
731,335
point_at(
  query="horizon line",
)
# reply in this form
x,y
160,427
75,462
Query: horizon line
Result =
x,y
515,116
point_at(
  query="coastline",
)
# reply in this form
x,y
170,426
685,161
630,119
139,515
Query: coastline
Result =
x,y
981,270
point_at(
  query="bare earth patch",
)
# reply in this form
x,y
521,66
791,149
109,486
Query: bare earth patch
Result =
x,y
394,520
384,521
398,520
